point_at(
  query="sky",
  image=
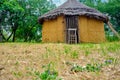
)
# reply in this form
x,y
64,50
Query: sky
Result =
x,y
59,2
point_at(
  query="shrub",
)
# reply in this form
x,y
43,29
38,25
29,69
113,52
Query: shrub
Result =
x,y
49,74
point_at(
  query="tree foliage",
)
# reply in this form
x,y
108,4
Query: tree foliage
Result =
x,y
112,9
30,28
22,18
10,12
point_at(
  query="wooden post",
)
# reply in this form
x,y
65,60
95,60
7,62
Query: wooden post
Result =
x,y
113,30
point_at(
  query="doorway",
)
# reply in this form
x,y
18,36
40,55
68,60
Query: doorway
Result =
x,y
71,29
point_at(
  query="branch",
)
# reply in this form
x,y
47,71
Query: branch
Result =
x,y
113,30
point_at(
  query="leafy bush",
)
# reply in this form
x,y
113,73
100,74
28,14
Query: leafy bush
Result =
x,y
49,74
112,38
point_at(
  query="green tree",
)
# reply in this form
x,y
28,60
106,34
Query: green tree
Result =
x,y
10,12
22,17
29,28
112,9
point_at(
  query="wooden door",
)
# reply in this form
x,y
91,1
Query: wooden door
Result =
x,y
71,29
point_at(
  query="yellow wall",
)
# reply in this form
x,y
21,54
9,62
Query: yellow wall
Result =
x,y
91,30
53,30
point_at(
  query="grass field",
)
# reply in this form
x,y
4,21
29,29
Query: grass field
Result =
x,y
27,61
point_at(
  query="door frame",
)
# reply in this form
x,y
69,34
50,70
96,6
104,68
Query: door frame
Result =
x,y
71,22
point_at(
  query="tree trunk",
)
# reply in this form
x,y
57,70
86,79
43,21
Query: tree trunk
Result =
x,y
0,38
14,32
9,36
14,29
26,38
113,30
0,33
3,37
28,33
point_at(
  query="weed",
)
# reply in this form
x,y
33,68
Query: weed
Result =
x,y
77,69
48,74
93,68
67,50
17,74
108,62
111,60
74,54
103,50
17,63
87,52
113,48
68,63
86,46
48,51
88,67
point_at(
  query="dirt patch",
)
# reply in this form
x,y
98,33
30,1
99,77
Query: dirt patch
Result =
x,y
21,60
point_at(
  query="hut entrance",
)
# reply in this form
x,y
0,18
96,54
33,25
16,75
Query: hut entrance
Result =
x,y
71,29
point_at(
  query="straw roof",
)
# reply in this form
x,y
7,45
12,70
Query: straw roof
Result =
x,y
73,7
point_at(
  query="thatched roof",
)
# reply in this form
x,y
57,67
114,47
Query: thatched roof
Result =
x,y
73,7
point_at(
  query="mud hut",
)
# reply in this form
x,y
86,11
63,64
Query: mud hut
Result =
x,y
73,22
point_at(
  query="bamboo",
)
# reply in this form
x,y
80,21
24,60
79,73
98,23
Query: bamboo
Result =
x,y
113,30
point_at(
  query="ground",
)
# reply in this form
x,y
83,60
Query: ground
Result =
x,y
26,61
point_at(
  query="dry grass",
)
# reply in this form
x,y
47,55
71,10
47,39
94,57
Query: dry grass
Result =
x,y
22,60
